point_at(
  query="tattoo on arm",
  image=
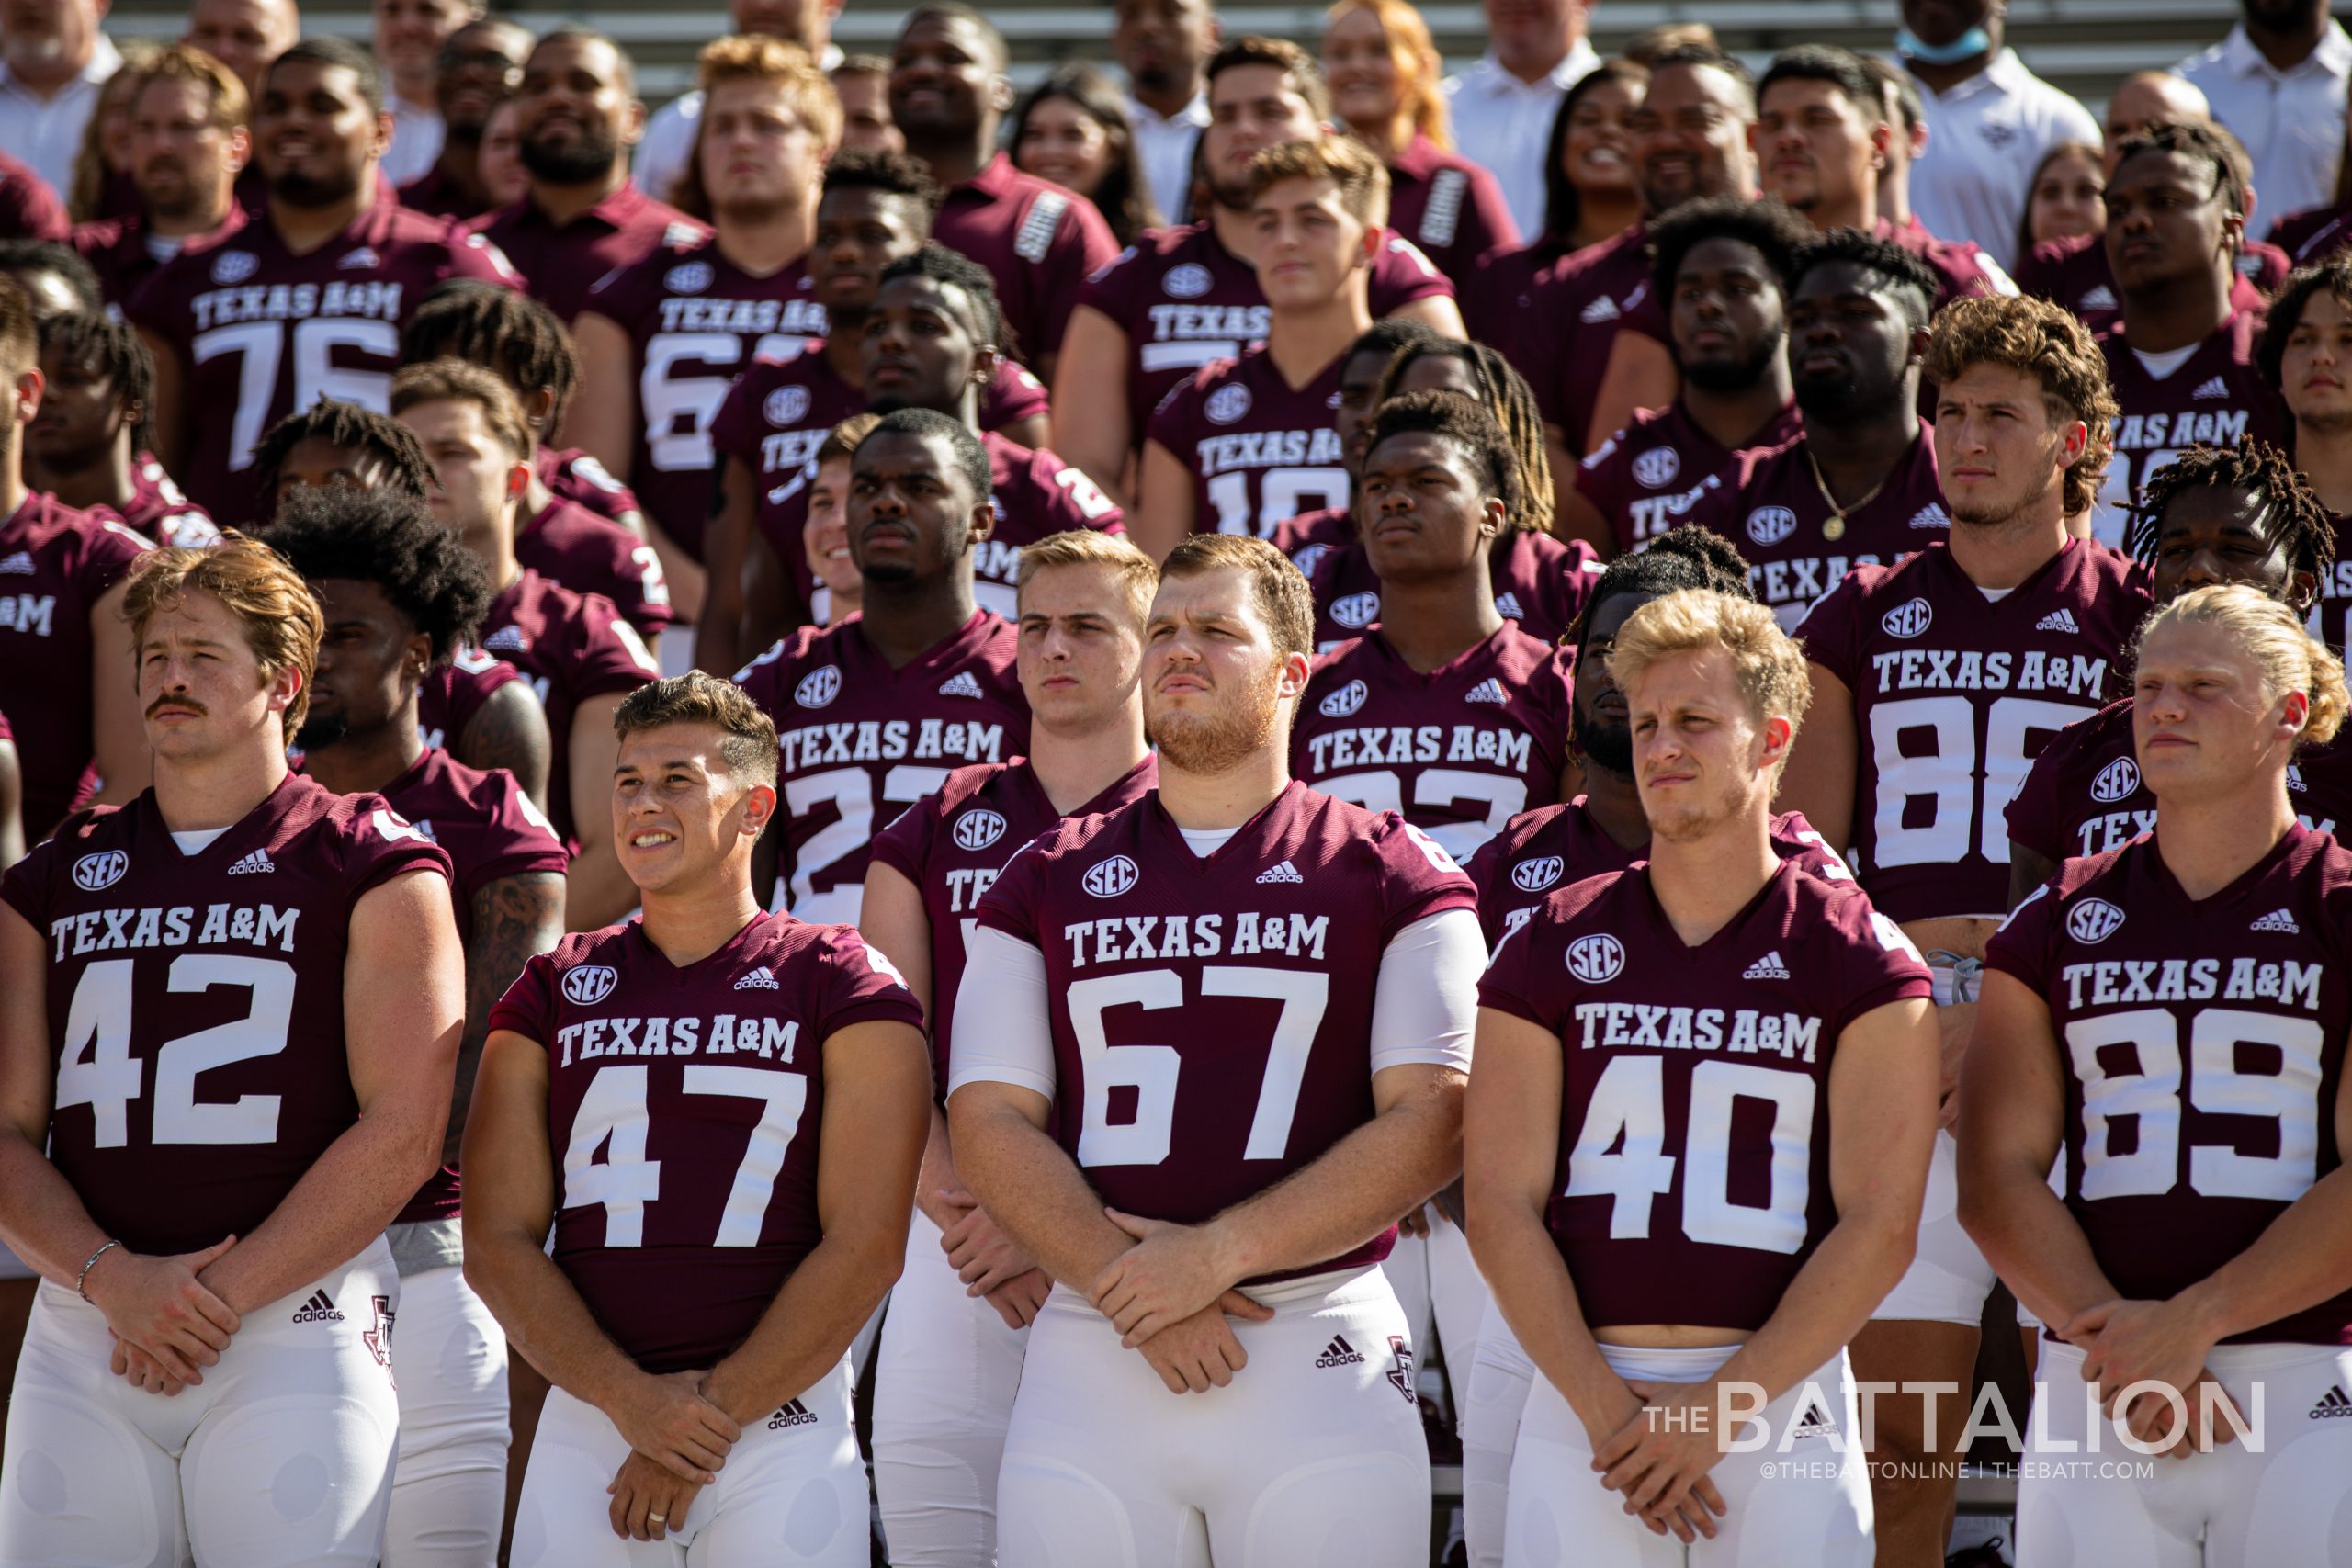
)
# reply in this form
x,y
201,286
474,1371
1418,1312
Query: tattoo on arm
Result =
x,y
515,919
511,732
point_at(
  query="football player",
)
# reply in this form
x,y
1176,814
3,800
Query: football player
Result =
x,y
694,1147
228,1016
1934,683
873,714
952,1346
400,595
1697,1137
87,445
576,651
1219,1362
307,299
2192,985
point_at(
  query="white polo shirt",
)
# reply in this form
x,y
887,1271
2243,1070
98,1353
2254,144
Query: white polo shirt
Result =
x,y
1984,137
44,133
1506,124
417,132
2292,121
1164,147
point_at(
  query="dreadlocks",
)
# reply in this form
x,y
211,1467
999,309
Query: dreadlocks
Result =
x,y
2294,516
114,350
1689,557
351,428
504,329
1511,402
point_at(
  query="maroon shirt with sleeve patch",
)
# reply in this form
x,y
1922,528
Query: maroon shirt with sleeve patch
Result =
x,y
452,694
1239,983
2075,275
1449,207
490,829
124,254
1559,846
1457,753
1039,240
2201,1045
195,1003
160,512
2210,399
567,542
1769,504
860,742
695,322
1693,1182
1185,303
683,1107
55,564
260,332
1259,450
565,260
952,843
2084,796
1641,477
1954,697
576,477
1561,335
1540,581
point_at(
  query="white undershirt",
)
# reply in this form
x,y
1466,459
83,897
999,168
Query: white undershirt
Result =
x,y
196,840
1424,1005
2164,362
1206,842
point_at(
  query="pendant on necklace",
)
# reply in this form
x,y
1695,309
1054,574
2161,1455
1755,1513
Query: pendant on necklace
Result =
x,y
1834,528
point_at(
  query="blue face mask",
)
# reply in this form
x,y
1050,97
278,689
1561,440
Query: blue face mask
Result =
x,y
1967,46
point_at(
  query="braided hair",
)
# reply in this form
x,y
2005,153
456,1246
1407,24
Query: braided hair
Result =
x,y
502,329
1512,402
352,428
83,337
2296,519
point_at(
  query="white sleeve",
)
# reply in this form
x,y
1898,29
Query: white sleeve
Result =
x,y
1425,1004
1002,1034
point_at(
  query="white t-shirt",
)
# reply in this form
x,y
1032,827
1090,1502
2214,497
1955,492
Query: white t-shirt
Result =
x,y
1984,139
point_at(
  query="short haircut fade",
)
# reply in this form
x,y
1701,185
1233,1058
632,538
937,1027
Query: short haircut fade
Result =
x,y
1130,568
749,747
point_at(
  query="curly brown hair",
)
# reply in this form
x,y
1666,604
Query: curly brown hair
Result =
x,y
2038,339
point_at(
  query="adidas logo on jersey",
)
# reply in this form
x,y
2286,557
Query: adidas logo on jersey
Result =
x,y
793,1415
365,256
1768,967
2215,388
2333,1405
18,565
507,639
1814,1423
2057,621
256,862
963,683
1930,516
1340,1353
1487,691
2278,920
318,1309
757,980
2295,778
2099,298
1507,606
1602,310
1283,873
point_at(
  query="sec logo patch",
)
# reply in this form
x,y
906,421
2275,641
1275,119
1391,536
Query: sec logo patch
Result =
x,y
1596,959
585,985
1771,525
2117,781
1108,879
2093,920
1657,468
787,405
1345,701
1534,875
1227,404
1356,611
1908,618
819,687
688,278
95,872
1187,281
977,828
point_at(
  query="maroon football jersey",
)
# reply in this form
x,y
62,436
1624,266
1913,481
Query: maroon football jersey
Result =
x,y
952,843
452,694
1456,752
563,262
576,477
2202,1053
1188,1080
1673,1059
1961,270
1038,240
1259,450
860,742
694,322
160,512
567,542
570,647
1185,301
2075,275
1558,846
1560,337
29,208
1449,207
1540,581
260,332
195,1003
436,195
2313,235
55,564
1769,504
2084,796
125,253
1641,479
490,829
684,1107
1954,697
1310,536
2210,399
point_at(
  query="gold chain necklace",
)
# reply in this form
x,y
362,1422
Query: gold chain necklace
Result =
x,y
1834,528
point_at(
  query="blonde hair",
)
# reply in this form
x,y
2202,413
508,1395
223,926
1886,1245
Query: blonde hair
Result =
x,y
459,381
1362,178
756,58
2289,658
1130,568
281,620
1283,598
1767,664
749,743
1420,100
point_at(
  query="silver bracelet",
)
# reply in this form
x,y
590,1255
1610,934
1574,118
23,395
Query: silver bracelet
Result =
x,y
83,1277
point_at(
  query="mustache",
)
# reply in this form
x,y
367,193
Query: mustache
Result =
x,y
175,700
